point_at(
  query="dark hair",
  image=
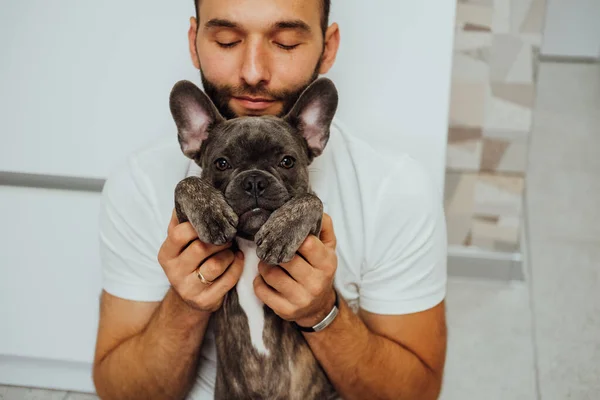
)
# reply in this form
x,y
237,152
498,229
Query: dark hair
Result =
x,y
324,16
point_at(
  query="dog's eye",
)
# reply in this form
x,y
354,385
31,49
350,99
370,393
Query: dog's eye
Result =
x,y
287,162
222,164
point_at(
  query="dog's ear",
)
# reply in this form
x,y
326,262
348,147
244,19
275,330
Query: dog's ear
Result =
x,y
313,113
194,114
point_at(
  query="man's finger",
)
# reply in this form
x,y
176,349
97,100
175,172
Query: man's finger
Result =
x,y
226,281
327,234
314,251
178,238
216,265
174,221
272,298
198,253
299,269
279,280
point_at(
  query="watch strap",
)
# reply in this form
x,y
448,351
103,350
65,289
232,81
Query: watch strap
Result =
x,y
325,322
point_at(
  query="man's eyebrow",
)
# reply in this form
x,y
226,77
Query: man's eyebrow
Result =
x,y
220,23
279,25
292,24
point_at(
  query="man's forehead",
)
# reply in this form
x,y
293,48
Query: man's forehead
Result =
x,y
261,13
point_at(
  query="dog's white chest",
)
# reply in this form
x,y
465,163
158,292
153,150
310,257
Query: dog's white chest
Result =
x,y
251,305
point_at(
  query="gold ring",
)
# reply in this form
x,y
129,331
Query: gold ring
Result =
x,y
202,278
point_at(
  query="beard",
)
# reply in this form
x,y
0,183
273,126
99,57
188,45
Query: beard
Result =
x,y
221,95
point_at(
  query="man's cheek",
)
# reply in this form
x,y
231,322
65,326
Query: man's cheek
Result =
x,y
219,68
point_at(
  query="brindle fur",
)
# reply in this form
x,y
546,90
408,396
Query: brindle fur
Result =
x,y
289,372
215,204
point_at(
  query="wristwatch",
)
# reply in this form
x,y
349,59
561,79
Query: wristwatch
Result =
x,y
325,322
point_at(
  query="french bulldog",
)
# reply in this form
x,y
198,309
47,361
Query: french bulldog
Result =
x,y
254,191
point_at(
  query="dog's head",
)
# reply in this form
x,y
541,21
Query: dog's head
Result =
x,y
258,163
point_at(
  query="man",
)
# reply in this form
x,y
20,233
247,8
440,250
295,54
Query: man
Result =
x,y
387,253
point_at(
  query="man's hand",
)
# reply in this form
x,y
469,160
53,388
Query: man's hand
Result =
x,y
302,289
182,254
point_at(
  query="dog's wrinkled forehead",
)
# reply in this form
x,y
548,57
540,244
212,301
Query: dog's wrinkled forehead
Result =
x,y
199,124
254,139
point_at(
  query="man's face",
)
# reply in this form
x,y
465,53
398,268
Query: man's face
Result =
x,y
256,56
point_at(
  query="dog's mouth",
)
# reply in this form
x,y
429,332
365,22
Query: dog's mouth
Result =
x,y
253,212
249,222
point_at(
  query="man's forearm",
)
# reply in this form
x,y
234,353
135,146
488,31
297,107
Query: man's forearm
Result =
x,y
363,365
158,363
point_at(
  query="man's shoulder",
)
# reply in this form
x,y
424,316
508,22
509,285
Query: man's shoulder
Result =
x,y
155,163
150,173
374,171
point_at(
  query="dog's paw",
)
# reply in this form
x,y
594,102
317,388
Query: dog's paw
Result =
x,y
207,211
215,225
277,242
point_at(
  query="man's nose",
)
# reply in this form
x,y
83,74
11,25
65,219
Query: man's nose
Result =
x,y
255,64
255,185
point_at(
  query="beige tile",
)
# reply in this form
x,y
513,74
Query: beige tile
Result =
x,y
518,13
498,195
511,60
521,70
504,134
452,180
464,42
501,20
490,351
533,22
459,229
488,3
474,16
521,94
483,210
463,134
492,153
465,156
470,68
535,41
505,50
506,115
504,155
458,203
467,105
515,158
494,236
461,200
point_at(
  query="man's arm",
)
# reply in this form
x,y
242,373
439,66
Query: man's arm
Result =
x,y
150,350
147,350
383,357
369,356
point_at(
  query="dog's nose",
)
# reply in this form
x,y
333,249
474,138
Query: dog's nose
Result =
x,y
255,185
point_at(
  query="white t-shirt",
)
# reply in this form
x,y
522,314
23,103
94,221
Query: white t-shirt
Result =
x,y
388,220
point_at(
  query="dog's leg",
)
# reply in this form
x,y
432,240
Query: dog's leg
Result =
x,y
286,229
206,209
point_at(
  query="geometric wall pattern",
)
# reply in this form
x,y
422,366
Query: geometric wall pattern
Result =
x,y
493,87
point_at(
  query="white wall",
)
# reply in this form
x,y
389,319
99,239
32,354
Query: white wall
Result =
x,y
49,286
86,82
394,75
82,84
572,29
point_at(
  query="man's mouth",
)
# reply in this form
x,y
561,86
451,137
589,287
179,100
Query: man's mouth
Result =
x,y
254,103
